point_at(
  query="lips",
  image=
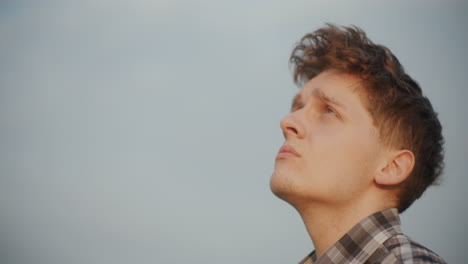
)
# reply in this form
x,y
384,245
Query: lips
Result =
x,y
287,151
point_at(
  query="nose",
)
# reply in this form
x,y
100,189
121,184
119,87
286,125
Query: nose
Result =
x,y
291,126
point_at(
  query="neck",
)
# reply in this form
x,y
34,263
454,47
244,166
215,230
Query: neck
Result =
x,y
326,224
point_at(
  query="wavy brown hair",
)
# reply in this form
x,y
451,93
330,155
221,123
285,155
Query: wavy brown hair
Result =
x,y
403,115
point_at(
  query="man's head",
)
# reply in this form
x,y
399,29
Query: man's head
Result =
x,y
359,124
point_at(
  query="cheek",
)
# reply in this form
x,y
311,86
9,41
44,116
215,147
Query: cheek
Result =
x,y
342,161
359,156
357,149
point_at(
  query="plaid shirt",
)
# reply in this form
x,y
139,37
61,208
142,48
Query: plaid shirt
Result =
x,y
376,239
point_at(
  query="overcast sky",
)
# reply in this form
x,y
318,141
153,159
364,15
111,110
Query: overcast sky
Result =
x,y
146,131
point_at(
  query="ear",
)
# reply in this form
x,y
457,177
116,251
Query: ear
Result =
x,y
396,168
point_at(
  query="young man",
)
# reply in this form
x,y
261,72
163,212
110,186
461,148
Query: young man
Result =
x,y
361,145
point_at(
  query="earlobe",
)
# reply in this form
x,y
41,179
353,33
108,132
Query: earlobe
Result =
x,y
397,168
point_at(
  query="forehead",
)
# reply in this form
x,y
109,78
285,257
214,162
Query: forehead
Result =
x,y
332,84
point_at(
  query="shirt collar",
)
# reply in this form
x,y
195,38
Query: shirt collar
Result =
x,y
362,240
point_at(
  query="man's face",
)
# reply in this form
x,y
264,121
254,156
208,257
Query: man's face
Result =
x,y
336,144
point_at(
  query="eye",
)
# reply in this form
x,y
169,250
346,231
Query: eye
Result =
x,y
329,110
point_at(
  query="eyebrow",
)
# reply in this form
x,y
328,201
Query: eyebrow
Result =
x,y
319,94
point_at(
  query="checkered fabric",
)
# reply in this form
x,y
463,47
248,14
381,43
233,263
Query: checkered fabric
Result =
x,y
376,239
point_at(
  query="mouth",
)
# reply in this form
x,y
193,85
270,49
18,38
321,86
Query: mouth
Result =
x,y
287,151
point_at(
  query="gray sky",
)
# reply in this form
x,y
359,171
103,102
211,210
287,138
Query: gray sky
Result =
x,y
146,131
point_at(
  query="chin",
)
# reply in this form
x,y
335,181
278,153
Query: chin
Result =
x,y
293,190
282,186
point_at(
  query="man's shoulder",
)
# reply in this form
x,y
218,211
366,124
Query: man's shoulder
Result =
x,y
402,249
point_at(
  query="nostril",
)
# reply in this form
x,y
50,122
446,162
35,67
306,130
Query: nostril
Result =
x,y
293,130
290,126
